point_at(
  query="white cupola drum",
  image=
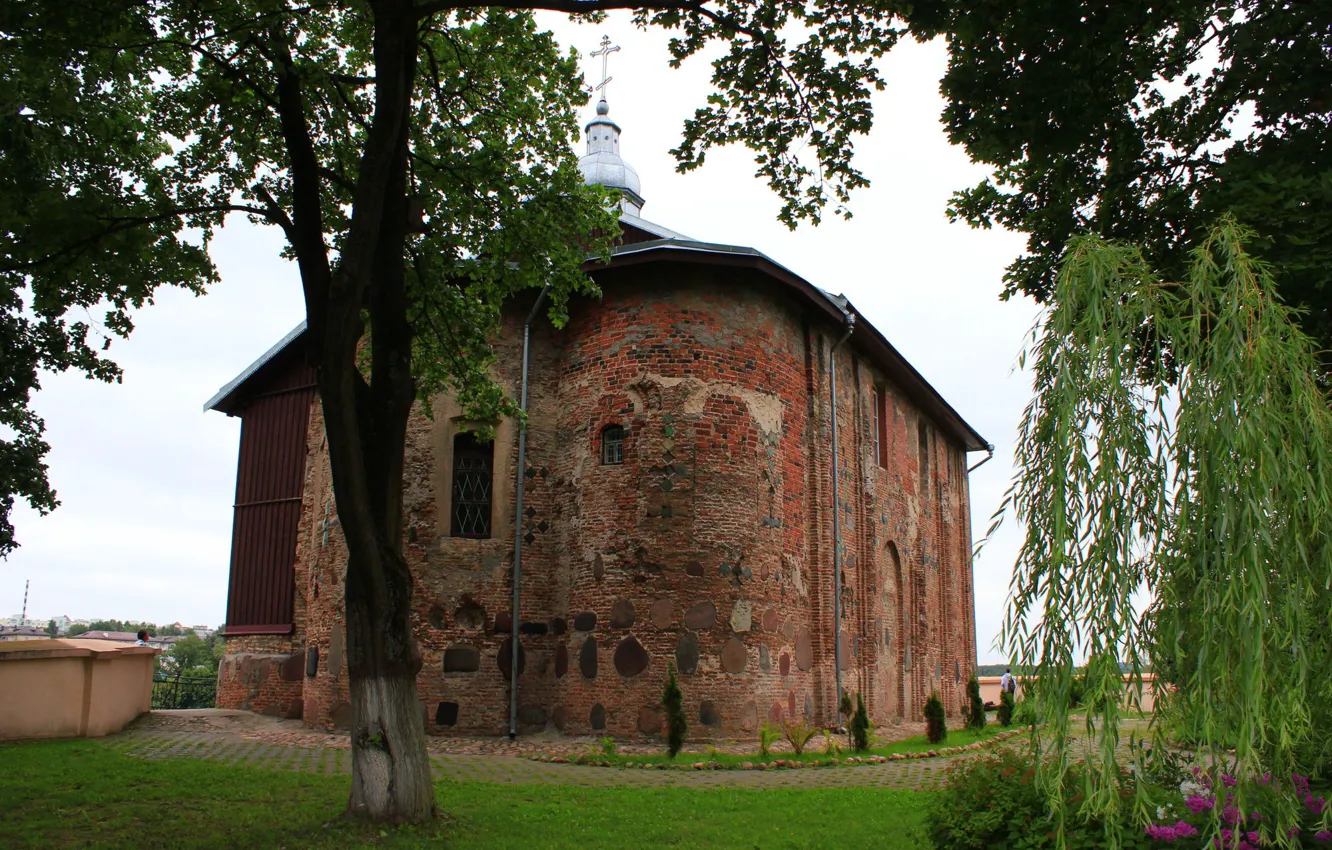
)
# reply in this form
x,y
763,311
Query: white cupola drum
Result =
x,y
602,165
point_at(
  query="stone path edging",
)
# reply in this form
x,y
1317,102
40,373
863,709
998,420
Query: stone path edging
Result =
x,y
782,764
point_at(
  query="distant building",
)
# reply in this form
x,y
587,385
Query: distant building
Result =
x,y
123,637
204,632
22,633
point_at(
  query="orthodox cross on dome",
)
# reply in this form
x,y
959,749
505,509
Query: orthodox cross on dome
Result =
x,y
605,52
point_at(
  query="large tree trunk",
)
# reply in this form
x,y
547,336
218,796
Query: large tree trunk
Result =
x,y
390,771
366,424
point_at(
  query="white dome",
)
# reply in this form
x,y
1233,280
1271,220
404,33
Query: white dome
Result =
x,y
602,165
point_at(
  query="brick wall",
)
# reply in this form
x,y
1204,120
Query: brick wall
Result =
x,y
709,547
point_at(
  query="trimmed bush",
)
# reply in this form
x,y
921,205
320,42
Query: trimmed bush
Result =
x,y
676,724
936,729
1005,714
976,712
860,726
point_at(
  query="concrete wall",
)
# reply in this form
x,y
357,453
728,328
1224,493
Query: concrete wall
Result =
x,y
989,686
72,688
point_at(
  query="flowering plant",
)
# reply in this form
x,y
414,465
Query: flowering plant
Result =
x,y
1208,814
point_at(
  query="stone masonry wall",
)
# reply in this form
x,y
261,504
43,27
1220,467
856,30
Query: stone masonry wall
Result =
x,y
709,548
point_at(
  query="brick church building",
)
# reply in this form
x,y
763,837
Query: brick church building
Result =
x,y
678,496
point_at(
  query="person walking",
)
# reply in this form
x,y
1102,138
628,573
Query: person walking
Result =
x,y
1007,682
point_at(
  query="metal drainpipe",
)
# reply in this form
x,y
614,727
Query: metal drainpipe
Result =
x,y
837,520
989,447
518,517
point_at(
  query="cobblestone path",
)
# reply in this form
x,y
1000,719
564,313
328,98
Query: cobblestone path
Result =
x,y
160,744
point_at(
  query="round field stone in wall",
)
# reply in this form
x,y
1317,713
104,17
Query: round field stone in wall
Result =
x,y
558,718
686,653
505,659
446,714
701,616
775,712
558,626
708,714
650,720
342,716
734,656
437,616
771,620
663,613
585,621
788,628
765,658
784,664
598,567
749,716
587,658
622,614
694,568
503,623
532,717
630,658
470,616
809,706
462,659
561,661
845,643
293,667
804,649
533,628
742,616
790,704
311,661
597,718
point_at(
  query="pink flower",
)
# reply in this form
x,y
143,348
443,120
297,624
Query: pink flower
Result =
x,y
1324,836
1182,829
1199,804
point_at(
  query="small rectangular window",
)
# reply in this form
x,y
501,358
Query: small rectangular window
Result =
x,y
472,465
880,423
612,445
923,451
876,418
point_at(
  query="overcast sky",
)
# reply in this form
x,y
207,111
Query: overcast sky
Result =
x,y
146,478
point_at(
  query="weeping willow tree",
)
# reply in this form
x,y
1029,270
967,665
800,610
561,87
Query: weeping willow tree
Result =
x,y
1173,480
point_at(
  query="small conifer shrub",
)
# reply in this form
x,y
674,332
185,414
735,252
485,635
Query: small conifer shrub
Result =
x,y
676,725
860,726
936,730
1005,713
976,712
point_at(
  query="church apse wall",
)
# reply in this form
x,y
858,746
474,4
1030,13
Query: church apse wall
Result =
x,y
678,500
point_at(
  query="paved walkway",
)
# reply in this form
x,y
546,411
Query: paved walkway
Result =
x,y
229,749
243,738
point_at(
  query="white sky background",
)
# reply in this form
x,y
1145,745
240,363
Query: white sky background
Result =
x,y
146,479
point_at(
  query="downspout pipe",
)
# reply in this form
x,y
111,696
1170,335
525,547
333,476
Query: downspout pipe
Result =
x,y
989,447
837,516
518,515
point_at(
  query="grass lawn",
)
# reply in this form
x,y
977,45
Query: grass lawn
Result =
x,y
70,794
814,750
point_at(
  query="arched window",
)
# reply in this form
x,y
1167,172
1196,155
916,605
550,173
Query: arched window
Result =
x,y
472,464
612,444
